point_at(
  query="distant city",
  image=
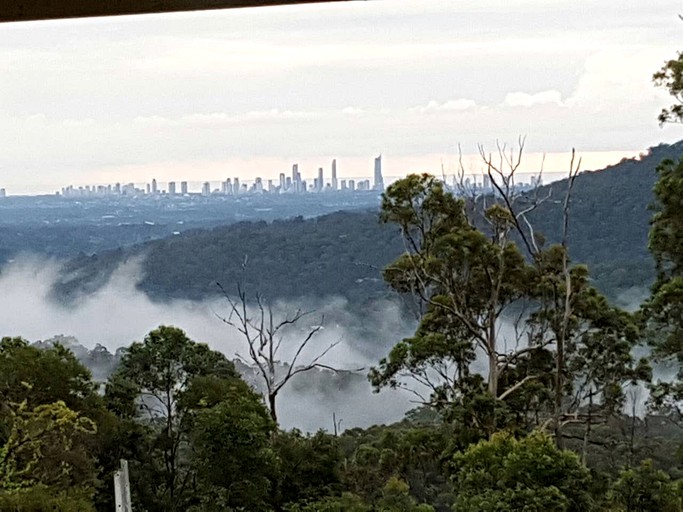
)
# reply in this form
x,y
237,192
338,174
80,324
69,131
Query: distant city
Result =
x,y
292,184
285,184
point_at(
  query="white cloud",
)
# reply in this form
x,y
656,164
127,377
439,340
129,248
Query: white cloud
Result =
x,y
523,99
219,119
353,111
456,105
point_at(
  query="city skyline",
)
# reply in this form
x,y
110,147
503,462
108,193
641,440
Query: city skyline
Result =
x,y
191,95
296,183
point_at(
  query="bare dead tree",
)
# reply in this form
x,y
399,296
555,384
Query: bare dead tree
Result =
x,y
266,336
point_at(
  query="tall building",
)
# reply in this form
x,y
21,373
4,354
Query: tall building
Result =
x,y
321,182
171,188
3,192
296,178
236,186
379,180
334,174
282,182
183,188
206,189
154,186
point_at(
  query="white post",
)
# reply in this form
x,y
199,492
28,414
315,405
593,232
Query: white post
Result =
x,y
122,489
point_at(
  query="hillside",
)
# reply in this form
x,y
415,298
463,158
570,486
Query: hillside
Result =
x,y
342,253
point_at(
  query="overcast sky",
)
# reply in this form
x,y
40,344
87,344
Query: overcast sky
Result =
x,y
211,95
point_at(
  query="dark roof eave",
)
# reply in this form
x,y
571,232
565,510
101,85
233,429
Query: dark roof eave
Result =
x,y
30,10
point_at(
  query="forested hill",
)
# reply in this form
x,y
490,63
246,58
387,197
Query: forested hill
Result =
x,y
341,254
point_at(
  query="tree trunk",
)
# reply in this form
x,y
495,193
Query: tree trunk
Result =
x,y
493,357
493,375
271,405
559,383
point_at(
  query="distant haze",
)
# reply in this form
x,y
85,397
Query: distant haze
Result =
x,y
118,314
210,95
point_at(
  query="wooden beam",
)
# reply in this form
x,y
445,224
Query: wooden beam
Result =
x,y
27,10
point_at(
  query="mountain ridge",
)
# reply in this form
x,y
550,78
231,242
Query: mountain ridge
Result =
x,y
342,254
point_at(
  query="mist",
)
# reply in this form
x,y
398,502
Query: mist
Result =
x,y
118,314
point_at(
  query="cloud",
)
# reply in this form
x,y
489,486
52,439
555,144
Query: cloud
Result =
x,y
523,99
353,111
218,119
457,105
118,314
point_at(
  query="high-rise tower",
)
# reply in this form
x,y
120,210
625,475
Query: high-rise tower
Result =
x,y
379,180
334,174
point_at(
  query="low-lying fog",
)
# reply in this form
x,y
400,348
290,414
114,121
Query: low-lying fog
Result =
x,y
119,314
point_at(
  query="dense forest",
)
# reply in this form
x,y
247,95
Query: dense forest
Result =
x,y
342,254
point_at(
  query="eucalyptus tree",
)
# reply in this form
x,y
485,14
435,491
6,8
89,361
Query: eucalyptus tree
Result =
x,y
163,384
567,349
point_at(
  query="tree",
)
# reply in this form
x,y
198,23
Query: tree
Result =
x,y
466,279
670,76
50,419
532,474
465,262
310,466
664,309
153,385
41,377
644,489
264,332
45,449
236,466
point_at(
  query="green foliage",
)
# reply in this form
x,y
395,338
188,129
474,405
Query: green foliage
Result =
x,y
43,448
347,502
309,466
666,243
234,462
176,394
531,474
671,78
464,277
468,273
644,489
664,310
40,498
412,454
50,414
42,377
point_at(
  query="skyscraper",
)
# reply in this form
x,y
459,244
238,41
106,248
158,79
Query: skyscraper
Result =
x,y
206,189
282,182
154,186
171,188
334,174
296,179
321,182
183,188
379,180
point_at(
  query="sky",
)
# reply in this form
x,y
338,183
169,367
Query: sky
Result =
x,y
248,92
